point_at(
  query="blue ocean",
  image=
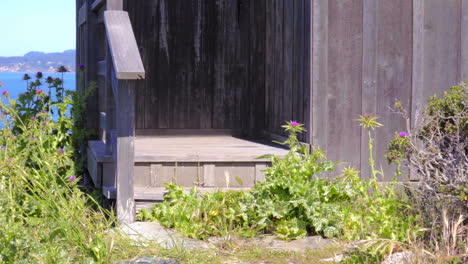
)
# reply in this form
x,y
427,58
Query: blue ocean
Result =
x,y
14,84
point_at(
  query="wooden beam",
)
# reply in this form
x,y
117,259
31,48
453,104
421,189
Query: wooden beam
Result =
x,y
101,68
82,14
124,152
97,4
123,46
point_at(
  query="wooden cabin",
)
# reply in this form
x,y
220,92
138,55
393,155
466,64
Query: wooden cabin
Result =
x,y
192,91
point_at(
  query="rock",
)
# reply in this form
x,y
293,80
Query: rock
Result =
x,y
337,258
405,257
153,232
310,242
150,260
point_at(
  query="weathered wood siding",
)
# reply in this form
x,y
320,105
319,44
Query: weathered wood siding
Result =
x,y
366,54
196,54
221,63
286,60
254,64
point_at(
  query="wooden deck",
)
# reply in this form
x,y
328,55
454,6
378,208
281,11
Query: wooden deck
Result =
x,y
184,158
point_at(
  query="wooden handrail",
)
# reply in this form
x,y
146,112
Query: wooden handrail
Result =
x,y
97,4
123,46
123,69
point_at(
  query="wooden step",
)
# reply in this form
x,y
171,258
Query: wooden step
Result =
x,y
213,160
187,159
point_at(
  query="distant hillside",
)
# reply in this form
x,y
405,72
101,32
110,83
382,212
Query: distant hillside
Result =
x,y
39,61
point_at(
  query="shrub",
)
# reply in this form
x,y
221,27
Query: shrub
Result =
x,y
436,152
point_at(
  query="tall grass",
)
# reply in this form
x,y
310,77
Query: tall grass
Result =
x,y
45,217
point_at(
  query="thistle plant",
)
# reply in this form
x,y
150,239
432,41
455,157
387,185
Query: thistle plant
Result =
x,y
369,122
293,128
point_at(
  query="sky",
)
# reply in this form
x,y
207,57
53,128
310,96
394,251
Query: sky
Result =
x,y
36,25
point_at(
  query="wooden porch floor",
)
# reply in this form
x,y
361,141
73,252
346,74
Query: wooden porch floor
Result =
x,y
193,148
187,159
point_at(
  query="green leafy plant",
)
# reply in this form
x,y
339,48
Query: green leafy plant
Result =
x,y
295,199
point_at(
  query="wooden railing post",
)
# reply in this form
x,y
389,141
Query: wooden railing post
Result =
x,y
124,150
127,69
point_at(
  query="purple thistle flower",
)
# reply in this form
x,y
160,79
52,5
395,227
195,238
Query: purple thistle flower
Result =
x,y
294,123
33,138
33,118
39,75
82,66
72,178
26,77
3,146
402,134
5,93
61,151
49,80
62,69
39,91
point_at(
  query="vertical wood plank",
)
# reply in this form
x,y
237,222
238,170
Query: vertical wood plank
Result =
x,y
286,94
259,174
464,41
369,74
278,100
187,174
155,174
125,151
160,59
307,74
142,175
417,85
343,92
440,63
209,175
109,103
257,68
319,73
299,95
269,64
91,59
394,62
